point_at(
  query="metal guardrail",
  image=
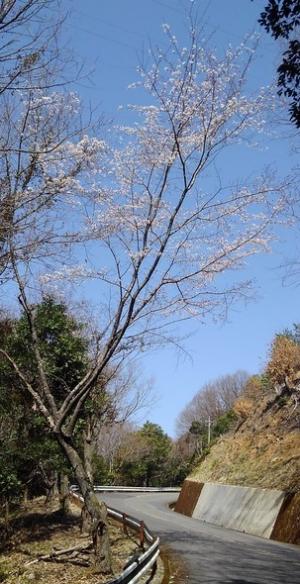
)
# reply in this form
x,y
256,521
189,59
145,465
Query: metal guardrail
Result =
x,y
147,559
116,489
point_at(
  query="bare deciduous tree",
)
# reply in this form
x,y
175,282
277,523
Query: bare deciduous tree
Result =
x,y
127,397
212,400
117,396
30,57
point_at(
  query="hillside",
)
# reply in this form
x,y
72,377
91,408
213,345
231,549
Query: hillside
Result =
x,y
263,449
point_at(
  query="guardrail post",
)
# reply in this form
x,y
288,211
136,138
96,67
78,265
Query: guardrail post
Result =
x,y
142,534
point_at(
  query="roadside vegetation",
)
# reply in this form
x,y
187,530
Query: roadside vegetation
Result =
x,y
48,546
263,446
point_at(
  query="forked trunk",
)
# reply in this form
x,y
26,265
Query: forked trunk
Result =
x,y
95,508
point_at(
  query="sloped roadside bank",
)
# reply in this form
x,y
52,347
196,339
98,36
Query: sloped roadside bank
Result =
x,y
41,529
249,479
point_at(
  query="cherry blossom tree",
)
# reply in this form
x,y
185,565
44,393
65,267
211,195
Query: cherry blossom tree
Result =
x,y
138,217
47,163
45,157
32,63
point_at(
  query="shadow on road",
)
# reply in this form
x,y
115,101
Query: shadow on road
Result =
x,y
211,561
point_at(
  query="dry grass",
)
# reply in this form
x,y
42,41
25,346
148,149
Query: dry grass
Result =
x,y
264,450
42,530
285,360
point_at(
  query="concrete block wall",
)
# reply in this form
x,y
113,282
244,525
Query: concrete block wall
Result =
x,y
267,513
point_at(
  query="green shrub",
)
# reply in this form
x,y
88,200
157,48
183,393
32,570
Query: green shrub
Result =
x,y
224,423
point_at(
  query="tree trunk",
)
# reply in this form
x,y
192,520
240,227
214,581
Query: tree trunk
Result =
x,y
86,521
64,493
6,512
94,507
25,495
51,483
88,451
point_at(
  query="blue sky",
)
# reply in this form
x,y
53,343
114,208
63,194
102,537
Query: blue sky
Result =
x,y
111,37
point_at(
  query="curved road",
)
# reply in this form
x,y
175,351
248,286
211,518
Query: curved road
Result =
x,y
212,555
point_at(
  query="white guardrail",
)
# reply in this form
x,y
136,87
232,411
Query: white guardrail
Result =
x,y
139,565
115,489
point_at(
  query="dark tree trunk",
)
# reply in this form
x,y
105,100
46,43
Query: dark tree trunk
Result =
x,y
25,495
95,508
51,483
88,451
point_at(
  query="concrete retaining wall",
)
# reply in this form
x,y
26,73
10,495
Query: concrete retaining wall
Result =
x,y
243,508
268,513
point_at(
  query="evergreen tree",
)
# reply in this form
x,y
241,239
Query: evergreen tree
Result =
x,y
31,459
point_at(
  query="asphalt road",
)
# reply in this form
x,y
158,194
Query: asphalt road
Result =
x,y
212,555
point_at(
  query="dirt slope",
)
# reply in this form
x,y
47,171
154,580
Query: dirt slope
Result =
x,y
263,449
